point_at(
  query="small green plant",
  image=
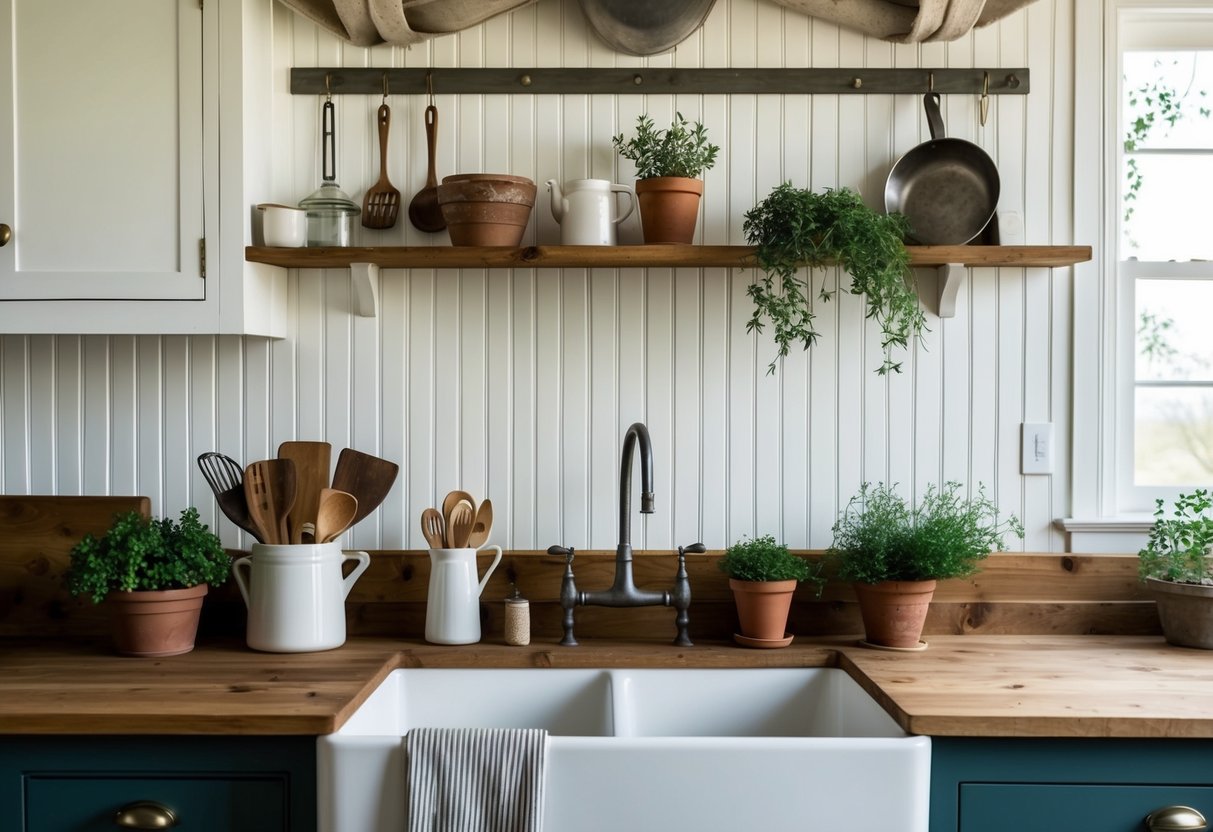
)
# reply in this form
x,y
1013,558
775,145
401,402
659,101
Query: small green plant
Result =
x,y
1178,547
683,150
795,227
762,559
138,553
879,537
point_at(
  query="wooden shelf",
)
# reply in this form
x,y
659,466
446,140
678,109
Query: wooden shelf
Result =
x,y
619,257
364,263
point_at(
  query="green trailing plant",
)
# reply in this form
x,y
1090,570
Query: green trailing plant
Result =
x,y
762,559
682,150
795,227
1178,547
879,537
138,553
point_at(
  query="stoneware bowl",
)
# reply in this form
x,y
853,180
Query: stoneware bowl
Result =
x,y
486,209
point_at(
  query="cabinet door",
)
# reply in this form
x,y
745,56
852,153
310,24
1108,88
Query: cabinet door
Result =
x,y
247,804
101,149
994,807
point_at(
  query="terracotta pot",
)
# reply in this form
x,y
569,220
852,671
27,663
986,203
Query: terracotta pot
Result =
x,y
894,611
153,623
1186,612
486,209
669,208
762,607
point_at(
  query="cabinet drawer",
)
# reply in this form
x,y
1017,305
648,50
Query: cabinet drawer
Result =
x,y
993,807
80,804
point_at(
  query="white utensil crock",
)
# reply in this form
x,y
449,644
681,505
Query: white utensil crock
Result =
x,y
296,595
588,212
452,612
282,225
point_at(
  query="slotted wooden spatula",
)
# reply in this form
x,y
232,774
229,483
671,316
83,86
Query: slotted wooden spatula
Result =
x,y
381,205
269,486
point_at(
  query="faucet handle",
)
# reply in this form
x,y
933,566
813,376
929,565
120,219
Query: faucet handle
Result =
x,y
562,552
693,549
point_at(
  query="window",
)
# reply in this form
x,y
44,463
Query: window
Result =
x,y
1161,229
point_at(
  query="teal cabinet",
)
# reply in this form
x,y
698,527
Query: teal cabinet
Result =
x,y
1013,785
218,784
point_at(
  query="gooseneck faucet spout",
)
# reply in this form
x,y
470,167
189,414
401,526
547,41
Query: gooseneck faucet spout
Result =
x,y
624,592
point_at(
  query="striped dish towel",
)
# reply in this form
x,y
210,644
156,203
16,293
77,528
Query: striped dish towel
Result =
x,y
475,779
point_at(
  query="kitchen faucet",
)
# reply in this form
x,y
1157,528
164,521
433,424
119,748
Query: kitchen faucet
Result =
x,y
624,592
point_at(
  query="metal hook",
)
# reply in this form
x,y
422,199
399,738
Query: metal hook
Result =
x,y
985,97
385,88
328,90
429,86
931,82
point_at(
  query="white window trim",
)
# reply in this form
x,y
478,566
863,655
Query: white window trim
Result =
x,y
1103,298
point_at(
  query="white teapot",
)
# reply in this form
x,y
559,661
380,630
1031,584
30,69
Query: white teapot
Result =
x,y
588,210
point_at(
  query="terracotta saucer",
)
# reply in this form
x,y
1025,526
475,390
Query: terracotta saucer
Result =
x,y
922,645
746,641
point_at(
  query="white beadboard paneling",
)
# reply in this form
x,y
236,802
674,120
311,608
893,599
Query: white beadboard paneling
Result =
x,y
518,385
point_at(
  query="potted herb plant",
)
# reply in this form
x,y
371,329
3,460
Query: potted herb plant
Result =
x,y
153,575
795,227
669,164
894,554
763,575
1177,569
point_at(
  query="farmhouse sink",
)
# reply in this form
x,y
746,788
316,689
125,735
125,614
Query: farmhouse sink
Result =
x,y
783,749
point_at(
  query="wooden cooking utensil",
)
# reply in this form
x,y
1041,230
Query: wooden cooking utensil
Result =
x,y
460,527
367,477
226,478
433,528
424,211
381,205
448,504
269,487
336,514
311,461
482,525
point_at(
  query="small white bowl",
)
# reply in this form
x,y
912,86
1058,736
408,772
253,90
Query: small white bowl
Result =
x,y
282,225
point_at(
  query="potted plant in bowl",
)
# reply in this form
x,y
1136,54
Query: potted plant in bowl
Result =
x,y
153,575
894,554
668,166
1177,569
795,227
763,575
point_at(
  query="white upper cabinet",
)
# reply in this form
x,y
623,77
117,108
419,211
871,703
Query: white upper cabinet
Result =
x,y
120,133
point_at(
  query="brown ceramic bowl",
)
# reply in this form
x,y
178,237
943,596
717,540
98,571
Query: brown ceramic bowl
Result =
x,y
486,209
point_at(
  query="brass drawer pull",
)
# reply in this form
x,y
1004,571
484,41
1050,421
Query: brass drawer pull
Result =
x,y
145,814
6,234
1172,818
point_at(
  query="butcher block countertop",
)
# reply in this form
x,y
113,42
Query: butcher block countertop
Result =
x,y
986,686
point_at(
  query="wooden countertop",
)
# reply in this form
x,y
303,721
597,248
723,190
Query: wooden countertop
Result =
x,y
1024,686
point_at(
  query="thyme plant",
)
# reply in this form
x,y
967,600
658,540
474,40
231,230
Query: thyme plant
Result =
x,y
879,537
762,559
138,553
683,150
795,227
1179,547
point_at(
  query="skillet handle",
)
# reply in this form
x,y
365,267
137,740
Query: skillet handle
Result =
x,y
930,103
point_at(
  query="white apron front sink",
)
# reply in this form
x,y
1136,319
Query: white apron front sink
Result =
x,y
785,749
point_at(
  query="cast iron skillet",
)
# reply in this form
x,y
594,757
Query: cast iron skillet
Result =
x,y
947,188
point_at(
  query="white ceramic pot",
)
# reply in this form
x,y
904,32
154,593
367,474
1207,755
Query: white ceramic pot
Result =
x,y
452,610
296,595
282,225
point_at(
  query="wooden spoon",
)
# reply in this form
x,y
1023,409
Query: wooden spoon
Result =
x,y
269,487
424,211
433,528
335,515
381,205
460,527
311,461
449,502
482,525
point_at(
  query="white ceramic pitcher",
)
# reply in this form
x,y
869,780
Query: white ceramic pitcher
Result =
x,y
588,212
452,611
296,595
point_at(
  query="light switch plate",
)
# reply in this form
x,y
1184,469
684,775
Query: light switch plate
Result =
x,y
1037,440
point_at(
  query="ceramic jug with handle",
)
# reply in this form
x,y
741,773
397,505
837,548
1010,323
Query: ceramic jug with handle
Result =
x,y
588,210
296,595
452,610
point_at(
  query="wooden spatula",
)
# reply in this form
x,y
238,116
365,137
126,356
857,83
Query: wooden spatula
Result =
x,y
381,205
312,460
269,487
367,477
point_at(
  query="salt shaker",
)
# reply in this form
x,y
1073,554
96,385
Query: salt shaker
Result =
x,y
517,619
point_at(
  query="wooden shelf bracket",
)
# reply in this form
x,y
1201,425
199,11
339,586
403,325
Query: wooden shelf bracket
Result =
x,y
364,283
